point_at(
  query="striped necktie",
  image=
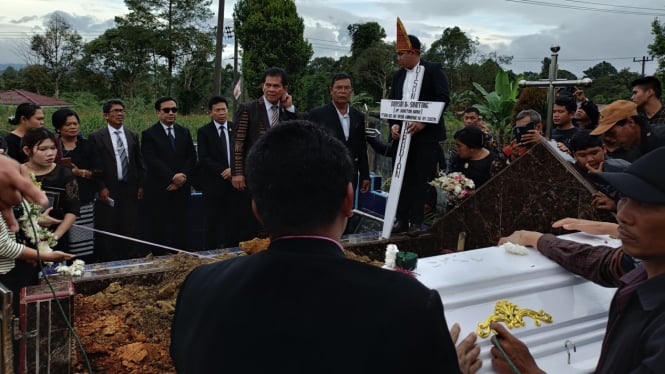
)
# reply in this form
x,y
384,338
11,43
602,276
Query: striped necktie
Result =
x,y
124,161
275,115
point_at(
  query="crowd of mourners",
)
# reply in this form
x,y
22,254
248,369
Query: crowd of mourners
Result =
x,y
294,177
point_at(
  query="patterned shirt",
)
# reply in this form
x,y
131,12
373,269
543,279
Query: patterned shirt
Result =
x,y
658,117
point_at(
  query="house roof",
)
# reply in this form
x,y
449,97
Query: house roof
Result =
x,y
16,97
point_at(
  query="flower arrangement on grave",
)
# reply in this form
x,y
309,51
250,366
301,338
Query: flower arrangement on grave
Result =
x,y
455,185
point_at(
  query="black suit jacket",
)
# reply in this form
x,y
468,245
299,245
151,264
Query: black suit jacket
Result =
x,y
213,159
327,116
163,162
434,87
106,162
302,307
252,122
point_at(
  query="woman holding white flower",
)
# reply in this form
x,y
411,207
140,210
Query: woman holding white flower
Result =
x,y
58,181
474,160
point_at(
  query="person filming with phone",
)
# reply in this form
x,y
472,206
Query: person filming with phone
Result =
x,y
527,132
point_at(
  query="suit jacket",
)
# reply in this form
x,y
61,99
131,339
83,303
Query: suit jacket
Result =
x,y
213,158
327,116
302,307
163,162
252,122
434,87
106,162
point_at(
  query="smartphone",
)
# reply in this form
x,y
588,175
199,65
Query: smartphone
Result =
x,y
521,130
66,161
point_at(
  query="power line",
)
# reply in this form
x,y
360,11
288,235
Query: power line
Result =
x,y
587,8
614,5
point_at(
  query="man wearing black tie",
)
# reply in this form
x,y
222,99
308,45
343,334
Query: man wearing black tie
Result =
x,y
119,164
214,142
168,151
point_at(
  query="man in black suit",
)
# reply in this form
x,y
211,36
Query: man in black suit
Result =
x,y
301,306
423,81
215,149
119,166
347,124
168,151
253,119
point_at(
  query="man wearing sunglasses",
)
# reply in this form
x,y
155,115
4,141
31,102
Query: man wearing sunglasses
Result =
x,y
168,151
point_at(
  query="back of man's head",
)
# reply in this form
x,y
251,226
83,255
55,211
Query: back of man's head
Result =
x,y
298,175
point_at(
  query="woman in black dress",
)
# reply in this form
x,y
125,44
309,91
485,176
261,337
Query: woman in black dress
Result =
x,y
57,181
78,154
27,116
474,160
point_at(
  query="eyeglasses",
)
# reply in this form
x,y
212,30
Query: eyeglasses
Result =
x,y
170,110
117,111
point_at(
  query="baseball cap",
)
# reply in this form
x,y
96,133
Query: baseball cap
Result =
x,y
613,113
643,180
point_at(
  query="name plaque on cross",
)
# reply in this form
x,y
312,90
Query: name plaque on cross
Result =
x,y
405,111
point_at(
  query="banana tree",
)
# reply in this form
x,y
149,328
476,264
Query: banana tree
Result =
x,y
496,107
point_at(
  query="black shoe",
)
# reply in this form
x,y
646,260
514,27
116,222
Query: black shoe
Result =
x,y
399,228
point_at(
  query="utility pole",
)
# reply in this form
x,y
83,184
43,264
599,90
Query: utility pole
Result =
x,y
219,45
644,60
231,33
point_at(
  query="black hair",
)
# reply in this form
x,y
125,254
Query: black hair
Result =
x,y
276,72
339,76
59,117
471,136
107,105
158,103
298,175
649,82
415,42
472,109
26,110
583,139
568,102
216,100
35,136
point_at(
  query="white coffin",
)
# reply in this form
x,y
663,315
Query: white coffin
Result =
x,y
470,283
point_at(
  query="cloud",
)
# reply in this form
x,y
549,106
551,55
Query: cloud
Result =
x,y
23,20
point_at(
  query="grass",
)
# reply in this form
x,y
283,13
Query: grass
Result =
x,y
139,117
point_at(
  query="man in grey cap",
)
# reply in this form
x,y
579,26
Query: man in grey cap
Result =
x,y
621,125
635,334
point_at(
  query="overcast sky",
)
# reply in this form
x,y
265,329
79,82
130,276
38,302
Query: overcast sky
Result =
x,y
588,32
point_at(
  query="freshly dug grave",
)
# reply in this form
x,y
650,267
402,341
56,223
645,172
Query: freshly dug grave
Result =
x,y
125,328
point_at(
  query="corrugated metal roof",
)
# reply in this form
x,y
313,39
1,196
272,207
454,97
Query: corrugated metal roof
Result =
x,y
16,97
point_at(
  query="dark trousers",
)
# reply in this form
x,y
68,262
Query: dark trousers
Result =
x,y
167,225
419,166
121,219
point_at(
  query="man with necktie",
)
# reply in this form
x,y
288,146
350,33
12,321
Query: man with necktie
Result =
x,y
119,165
253,119
168,151
215,149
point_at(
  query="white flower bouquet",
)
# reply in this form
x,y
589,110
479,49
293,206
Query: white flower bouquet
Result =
x,y
455,185
28,217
